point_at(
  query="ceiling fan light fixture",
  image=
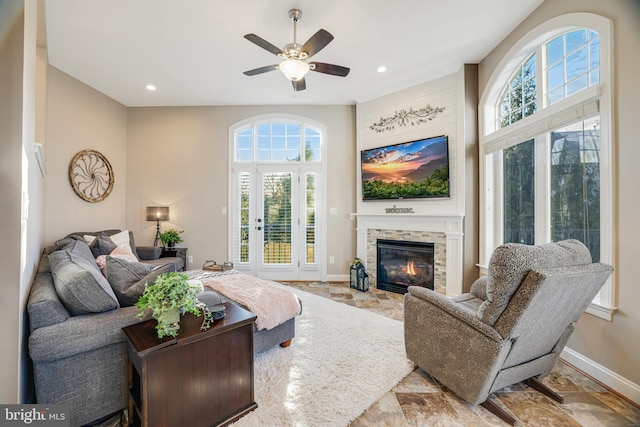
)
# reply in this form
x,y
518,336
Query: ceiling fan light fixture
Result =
x,y
294,69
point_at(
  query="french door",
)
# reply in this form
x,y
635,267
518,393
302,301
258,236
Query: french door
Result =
x,y
276,223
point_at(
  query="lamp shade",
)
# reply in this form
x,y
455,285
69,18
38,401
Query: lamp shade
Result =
x,y
157,213
294,69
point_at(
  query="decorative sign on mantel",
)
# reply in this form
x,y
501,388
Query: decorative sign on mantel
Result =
x,y
406,117
398,210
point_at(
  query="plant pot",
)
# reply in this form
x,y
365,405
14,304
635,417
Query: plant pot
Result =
x,y
171,245
169,322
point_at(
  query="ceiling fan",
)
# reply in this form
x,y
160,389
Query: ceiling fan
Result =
x,y
294,65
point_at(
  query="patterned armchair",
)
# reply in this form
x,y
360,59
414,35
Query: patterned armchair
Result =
x,y
511,327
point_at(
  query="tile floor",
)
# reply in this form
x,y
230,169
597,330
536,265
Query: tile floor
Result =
x,y
419,400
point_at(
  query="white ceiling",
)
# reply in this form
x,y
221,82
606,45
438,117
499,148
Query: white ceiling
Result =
x,y
194,50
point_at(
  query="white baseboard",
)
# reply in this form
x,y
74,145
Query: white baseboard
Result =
x,y
606,376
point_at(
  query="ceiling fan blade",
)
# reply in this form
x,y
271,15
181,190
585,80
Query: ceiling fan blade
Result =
x,y
260,70
299,85
316,43
263,43
334,70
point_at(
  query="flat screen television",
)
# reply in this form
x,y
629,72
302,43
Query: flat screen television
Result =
x,y
409,170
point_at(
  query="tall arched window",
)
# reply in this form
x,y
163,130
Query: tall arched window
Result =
x,y
546,143
276,197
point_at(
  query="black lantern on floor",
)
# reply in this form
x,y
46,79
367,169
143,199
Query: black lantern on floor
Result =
x,y
359,276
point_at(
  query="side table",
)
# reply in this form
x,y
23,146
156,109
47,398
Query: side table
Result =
x,y
175,252
200,378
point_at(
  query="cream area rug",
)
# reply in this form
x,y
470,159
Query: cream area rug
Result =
x,y
341,361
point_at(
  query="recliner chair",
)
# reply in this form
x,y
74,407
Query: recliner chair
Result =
x,y
510,328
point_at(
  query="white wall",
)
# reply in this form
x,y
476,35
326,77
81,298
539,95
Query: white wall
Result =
x,y
609,351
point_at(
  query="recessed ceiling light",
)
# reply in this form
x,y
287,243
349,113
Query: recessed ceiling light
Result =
x,y
151,88
382,69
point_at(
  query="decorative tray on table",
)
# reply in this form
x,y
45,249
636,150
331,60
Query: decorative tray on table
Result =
x,y
211,265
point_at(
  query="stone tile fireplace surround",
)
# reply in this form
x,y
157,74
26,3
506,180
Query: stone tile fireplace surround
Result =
x,y
445,232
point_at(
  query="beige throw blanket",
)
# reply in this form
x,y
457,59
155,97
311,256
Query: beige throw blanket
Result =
x,y
272,303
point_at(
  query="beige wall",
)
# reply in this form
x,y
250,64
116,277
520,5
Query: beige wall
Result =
x,y
614,345
11,102
178,157
469,118
20,189
78,118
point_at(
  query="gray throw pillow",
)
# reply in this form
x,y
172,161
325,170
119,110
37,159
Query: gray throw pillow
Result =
x,y
132,243
78,281
102,245
127,279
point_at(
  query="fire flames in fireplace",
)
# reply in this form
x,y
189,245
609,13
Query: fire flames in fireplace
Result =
x,y
410,270
401,264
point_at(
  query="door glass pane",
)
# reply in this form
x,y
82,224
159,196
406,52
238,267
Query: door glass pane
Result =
x,y
575,184
310,218
519,194
245,193
277,218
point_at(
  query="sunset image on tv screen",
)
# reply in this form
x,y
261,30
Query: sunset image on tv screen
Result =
x,y
409,170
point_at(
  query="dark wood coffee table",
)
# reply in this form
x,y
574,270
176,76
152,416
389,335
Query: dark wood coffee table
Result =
x,y
200,378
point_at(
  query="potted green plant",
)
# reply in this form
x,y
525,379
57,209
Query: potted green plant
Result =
x,y
170,295
170,237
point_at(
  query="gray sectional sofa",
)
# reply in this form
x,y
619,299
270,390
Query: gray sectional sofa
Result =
x,y
76,343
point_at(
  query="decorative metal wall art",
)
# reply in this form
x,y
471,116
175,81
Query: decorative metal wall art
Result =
x,y
91,175
406,117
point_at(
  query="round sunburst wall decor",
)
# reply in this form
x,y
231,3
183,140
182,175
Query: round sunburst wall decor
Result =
x,y
91,175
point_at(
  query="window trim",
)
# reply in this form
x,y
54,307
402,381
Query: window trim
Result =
x,y
593,100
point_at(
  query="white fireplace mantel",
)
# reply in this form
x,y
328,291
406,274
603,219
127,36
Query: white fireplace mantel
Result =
x,y
450,225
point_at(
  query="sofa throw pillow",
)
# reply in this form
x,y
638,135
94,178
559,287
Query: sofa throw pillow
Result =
x,y
117,252
127,279
78,281
62,243
510,263
120,238
132,245
102,245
